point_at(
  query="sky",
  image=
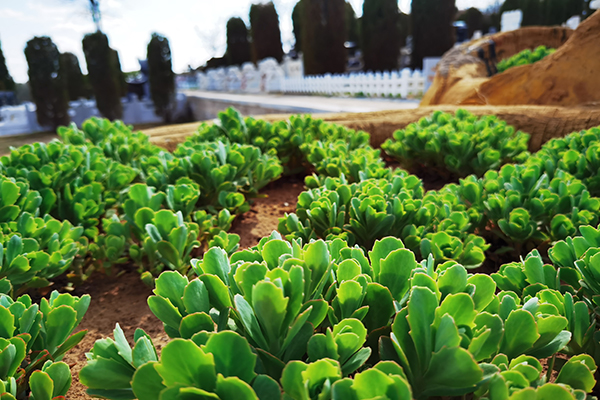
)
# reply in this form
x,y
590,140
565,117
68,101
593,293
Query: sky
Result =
x,y
195,28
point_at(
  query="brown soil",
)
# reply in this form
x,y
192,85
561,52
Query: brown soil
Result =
x,y
123,299
263,218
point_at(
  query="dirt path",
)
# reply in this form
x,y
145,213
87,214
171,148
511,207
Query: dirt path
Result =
x,y
123,299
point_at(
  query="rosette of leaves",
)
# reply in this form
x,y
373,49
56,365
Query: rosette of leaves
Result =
x,y
363,212
524,57
337,158
323,379
532,278
524,207
522,378
33,340
116,139
76,182
217,366
15,199
222,167
283,138
36,251
167,242
576,154
458,145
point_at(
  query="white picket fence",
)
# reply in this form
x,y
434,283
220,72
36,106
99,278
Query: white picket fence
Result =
x,y
270,77
402,84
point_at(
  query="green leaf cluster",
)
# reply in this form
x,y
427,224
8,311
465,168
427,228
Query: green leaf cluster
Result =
x,y
524,57
457,145
33,340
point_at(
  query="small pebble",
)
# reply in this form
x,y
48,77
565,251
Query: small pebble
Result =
x,y
286,204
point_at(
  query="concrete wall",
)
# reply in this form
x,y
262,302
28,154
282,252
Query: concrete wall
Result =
x,y
208,108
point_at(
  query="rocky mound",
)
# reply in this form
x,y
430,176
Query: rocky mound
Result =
x,y
569,77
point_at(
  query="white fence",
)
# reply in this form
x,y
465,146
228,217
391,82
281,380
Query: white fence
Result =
x,y
16,120
270,77
395,84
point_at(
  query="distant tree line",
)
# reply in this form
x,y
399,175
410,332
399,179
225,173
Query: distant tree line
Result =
x,y
324,30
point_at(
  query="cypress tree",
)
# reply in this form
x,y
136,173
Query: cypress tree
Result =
x,y
433,33
323,36
238,46
474,20
104,74
352,30
381,35
162,78
266,36
47,85
6,81
71,72
297,25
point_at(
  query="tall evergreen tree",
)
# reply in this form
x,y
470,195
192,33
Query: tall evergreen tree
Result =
x,y
47,85
323,36
71,72
162,78
297,25
6,81
105,74
381,35
433,33
238,46
474,20
352,29
266,36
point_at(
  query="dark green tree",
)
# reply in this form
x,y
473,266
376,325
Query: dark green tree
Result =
x,y
381,35
6,81
266,36
433,33
297,25
48,87
238,46
71,73
323,36
474,20
162,78
120,74
352,29
105,74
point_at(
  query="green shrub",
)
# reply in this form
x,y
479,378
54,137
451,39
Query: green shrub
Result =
x,y
161,76
33,340
524,57
457,146
48,86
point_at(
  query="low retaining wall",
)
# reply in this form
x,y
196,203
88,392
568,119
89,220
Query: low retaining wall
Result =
x,y
205,108
541,122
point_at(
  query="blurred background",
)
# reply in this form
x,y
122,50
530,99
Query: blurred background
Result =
x,y
63,61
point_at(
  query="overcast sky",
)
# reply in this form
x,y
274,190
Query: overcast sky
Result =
x,y
195,28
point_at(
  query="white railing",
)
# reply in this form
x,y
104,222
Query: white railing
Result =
x,y
16,120
386,84
270,77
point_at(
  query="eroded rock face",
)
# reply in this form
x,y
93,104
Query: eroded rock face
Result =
x,y
569,77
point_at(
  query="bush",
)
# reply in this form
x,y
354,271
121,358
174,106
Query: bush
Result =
x,y
381,35
266,36
105,74
323,35
161,76
238,46
48,85
77,87
524,57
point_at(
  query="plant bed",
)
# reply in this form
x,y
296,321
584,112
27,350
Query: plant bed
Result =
x,y
361,273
